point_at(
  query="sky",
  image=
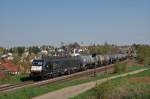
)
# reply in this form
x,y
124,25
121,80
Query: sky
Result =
x,y
48,22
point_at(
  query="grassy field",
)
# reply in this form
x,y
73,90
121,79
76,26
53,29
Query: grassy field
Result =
x,y
28,93
132,68
142,74
120,88
13,79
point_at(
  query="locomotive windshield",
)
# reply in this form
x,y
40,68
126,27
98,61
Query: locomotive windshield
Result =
x,y
37,62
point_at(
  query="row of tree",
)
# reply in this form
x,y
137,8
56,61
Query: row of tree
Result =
x,y
20,50
143,53
103,49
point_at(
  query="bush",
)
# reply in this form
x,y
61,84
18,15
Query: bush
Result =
x,y
143,54
147,61
102,90
120,67
107,90
122,89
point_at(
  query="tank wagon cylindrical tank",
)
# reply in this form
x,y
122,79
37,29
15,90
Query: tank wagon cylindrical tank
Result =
x,y
111,59
125,56
101,60
87,61
114,58
107,59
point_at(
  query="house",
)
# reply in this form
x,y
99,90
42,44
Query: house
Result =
x,y
7,56
10,67
2,74
45,52
75,53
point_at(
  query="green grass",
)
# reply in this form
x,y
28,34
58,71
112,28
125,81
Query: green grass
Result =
x,y
89,94
132,68
145,73
28,93
13,79
119,86
115,88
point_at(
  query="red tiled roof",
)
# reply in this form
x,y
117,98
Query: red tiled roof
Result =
x,y
2,74
9,67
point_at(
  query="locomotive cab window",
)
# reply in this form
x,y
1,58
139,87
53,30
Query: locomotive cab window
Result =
x,y
38,62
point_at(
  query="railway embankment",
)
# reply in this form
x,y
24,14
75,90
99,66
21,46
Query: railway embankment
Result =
x,y
30,92
136,86
68,92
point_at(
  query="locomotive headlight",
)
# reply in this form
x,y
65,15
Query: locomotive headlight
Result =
x,y
36,68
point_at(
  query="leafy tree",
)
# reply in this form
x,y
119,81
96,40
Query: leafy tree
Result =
x,y
64,48
34,49
143,53
16,59
20,50
11,50
2,50
103,49
74,45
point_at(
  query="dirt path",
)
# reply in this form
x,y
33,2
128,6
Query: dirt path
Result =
x,y
65,93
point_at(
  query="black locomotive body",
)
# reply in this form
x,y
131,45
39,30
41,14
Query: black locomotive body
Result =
x,y
55,67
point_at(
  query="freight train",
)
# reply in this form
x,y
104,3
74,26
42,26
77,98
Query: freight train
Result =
x,y
53,67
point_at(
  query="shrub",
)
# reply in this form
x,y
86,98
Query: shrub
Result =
x,y
122,89
108,89
147,61
120,67
143,54
102,90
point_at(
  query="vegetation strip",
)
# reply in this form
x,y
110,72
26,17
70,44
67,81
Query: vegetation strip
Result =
x,y
81,88
66,77
123,88
27,93
121,75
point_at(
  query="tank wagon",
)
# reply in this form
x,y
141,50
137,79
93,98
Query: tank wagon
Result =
x,y
87,61
52,67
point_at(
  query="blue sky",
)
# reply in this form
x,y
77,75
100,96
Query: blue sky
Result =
x,y
37,22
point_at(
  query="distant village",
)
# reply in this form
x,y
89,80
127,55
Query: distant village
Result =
x,y
18,59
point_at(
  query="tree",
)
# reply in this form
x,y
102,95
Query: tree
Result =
x,y
103,49
143,53
2,50
74,45
34,49
20,50
16,59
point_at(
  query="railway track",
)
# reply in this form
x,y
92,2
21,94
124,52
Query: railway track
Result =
x,y
10,87
13,87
